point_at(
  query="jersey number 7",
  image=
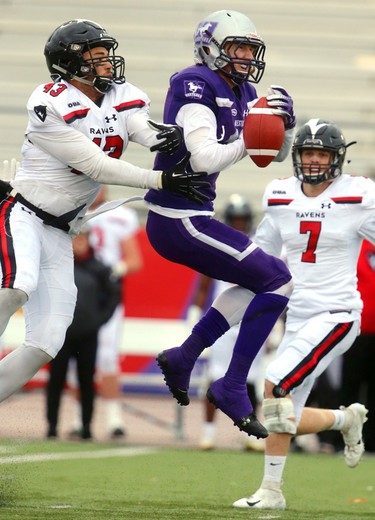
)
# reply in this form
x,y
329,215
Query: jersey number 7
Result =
x,y
313,229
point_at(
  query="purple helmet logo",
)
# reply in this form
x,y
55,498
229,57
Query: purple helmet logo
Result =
x,y
204,32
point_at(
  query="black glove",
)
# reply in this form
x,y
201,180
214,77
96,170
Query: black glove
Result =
x,y
171,135
178,180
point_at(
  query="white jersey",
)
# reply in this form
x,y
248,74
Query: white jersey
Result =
x,y
322,237
108,229
61,172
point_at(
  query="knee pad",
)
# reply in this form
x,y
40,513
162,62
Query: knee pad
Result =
x,y
279,416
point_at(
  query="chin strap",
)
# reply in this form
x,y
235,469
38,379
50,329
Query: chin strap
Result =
x,y
106,83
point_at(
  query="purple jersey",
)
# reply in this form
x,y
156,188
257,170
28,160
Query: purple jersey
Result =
x,y
199,84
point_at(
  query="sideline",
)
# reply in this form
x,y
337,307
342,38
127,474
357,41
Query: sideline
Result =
x,y
100,454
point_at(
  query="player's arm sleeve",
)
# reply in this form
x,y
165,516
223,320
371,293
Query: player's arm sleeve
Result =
x,y
74,149
267,236
286,146
138,129
366,227
200,130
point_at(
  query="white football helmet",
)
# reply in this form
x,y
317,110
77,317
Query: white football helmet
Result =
x,y
221,28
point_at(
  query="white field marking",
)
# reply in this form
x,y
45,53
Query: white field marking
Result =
x,y
60,506
100,454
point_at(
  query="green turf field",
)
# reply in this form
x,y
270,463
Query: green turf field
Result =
x,y
48,480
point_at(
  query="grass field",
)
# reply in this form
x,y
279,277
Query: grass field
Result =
x,y
47,480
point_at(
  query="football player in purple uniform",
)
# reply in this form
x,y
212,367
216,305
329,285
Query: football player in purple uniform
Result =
x,y
209,102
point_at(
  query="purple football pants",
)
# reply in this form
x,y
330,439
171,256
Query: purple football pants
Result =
x,y
219,251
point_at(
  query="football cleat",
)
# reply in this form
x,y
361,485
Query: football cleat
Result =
x,y
176,377
207,444
236,405
117,433
262,499
352,433
252,426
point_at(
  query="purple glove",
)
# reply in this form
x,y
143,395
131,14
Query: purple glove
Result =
x,y
279,99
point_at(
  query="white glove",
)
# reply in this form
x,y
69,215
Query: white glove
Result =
x,y
9,169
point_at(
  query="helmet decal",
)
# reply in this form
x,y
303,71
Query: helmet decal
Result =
x,y
203,34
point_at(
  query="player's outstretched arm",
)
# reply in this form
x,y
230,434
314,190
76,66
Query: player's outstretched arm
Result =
x,y
80,153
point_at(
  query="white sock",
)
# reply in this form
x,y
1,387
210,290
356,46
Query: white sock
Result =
x,y
209,430
113,410
273,468
340,417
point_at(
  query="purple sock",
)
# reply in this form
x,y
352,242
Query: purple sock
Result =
x,y
257,323
209,328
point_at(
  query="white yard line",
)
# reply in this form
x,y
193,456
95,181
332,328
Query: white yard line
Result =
x,y
100,454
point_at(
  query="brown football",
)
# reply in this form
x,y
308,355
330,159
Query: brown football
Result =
x,y
263,133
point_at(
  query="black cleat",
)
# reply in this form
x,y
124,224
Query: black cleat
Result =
x,y
229,406
118,433
252,426
181,395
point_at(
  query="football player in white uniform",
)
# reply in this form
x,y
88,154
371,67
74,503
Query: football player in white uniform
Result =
x,y
79,126
321,217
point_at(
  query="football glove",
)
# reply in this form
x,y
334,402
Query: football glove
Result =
x,y
171,135
9,169
187,184
279,99
5,189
